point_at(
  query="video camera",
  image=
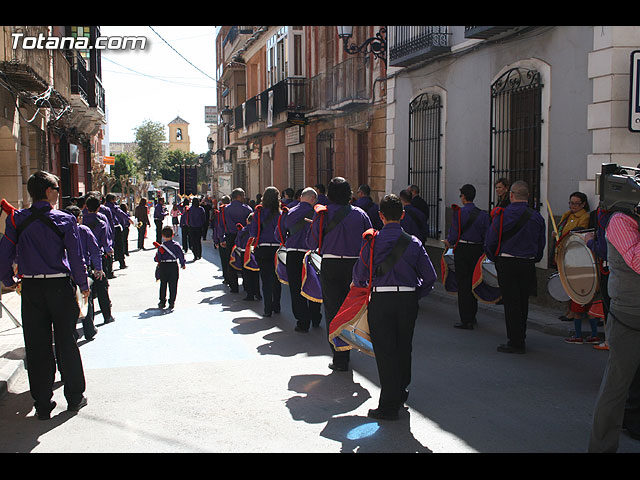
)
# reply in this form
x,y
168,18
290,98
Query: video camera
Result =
x,y
619,188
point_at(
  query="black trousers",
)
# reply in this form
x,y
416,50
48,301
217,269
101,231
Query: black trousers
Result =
x,y
169,274
271,286
335,277
100,290
159,224
305,311
231,274
465,260
50,303
195,241
392,318
251,282
185,238
517,279
142,231
107,265
125,241
118,245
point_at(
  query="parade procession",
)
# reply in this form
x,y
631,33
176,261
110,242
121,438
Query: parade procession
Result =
x,y
381,249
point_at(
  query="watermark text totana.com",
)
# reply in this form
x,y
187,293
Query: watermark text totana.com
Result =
x,y
40,42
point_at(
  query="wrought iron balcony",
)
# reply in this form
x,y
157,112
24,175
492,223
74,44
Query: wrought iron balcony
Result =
x,y
485,32
27,68
412,44
79,77
344,86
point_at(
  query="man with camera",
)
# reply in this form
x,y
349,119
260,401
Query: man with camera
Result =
x,y
623,255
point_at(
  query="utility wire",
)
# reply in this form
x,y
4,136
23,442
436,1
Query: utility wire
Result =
x,y
152,76
205,74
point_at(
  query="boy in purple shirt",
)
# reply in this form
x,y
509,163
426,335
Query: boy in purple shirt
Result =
x,y
396,288
168,256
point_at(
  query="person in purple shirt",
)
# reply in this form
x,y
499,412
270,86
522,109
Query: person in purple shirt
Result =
x,y
322,197
366,203
197,221
168,256
98,225
515,242
230,215
93,261
287,197
250,277
120,220
105,214
393,308
294,226
159,212
50,261
413,221
336,234
217,234
466,235
262,229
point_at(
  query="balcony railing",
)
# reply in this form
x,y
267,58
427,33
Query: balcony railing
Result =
x,y
412,44
79,77
346,84
28,68
96,93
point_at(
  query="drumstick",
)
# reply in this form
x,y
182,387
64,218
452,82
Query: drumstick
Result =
x,y
553,220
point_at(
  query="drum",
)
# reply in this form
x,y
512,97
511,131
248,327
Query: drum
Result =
x,y
349,329
555,288
484,283
236,258
249,259
577,267
281,265
448,269
311,288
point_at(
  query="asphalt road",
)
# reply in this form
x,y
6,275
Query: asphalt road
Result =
x,y
214,376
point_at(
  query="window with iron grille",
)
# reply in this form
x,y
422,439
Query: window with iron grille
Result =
x,y
324,142
515,131
424,154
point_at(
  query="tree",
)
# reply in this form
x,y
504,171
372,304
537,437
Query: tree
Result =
x,y
125,165
174,160
150,150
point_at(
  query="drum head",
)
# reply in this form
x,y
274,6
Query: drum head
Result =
x,y
577,268
315,260
449,259
556,290
83,304
282,255
489,273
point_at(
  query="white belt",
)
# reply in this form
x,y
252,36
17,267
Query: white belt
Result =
x,y
513,256
394,289
297,249
470,243
329,255
168,261
47,275
268,244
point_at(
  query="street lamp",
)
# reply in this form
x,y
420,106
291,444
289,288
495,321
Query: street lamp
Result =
x,y
226,114
376,45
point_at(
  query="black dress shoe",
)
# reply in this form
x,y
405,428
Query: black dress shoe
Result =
x,y
88,338
111,319
45,414
338,368
301,329
382,415
506,348
249,298
265,314
464,326
77,406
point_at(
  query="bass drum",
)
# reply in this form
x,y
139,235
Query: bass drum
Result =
x,y
83,304
555,288
447,266
577,267
281,266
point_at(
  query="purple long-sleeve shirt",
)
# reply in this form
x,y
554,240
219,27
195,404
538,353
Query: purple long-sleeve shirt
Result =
x,y
372,209
474,233
346,238
232,214
413,269
175,248
530,240
294,226
99,226
40,250
268,223
90,249
197,217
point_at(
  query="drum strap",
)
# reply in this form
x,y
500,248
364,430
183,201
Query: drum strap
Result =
x,y
396,253
337,218
299,225
38,215
472,218
524,218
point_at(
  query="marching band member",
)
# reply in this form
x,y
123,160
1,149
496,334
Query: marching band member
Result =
x,y
366,203
47,244
197,222
292,232
402,273
515,242
98,224
466,235
250,276
120,220
168,256
262,230
230,215
414,222
336,234
159,212
142,218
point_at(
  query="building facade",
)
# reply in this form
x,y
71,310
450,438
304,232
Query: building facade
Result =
x,y
52,112
297,110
